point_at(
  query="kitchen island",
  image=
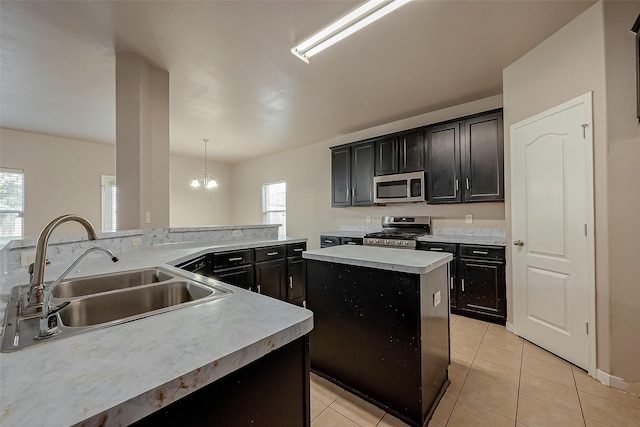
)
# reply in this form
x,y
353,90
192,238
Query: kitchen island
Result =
x,y
121,374
381,325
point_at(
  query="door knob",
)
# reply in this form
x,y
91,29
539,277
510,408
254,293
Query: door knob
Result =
x,y
519,243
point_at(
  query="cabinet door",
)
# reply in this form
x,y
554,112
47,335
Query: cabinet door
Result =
x,y
362,174
296,285
386,156
482,288
237,276
483,159
341,177
411,152
271,278
443,164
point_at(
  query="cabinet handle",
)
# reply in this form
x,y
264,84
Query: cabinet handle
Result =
x,y
462,284
272,253
481,252
290,282
298,250
353,193
261,292
236,259
467,180
351,243
451,282
328,241
436,249
457,185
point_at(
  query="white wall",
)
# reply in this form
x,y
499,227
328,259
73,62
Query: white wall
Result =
x,y
595,52
307,171
62,176
189,206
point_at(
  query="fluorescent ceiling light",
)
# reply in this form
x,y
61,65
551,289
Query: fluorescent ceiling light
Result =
x,y
362,16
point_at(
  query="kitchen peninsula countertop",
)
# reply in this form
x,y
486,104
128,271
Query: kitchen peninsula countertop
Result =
x,y
119,374
403,260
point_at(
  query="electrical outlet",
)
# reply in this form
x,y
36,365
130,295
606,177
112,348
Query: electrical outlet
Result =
x,y
237,233
436,299
368,218
148,217
136,241
468,218
27,257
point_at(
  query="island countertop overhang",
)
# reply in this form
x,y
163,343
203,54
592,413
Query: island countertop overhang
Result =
x,y
401,260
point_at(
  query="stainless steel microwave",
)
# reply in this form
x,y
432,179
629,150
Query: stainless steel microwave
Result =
x,y
399,188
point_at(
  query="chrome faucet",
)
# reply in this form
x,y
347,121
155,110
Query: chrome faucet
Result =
x,y
36,286
49,327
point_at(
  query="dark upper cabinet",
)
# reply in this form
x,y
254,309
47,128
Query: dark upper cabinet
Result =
x,y
352,175
400,154
386,156
443,164
411,152
341,176
465,160
483,159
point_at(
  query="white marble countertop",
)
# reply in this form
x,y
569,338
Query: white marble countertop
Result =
x,y
117,375
404,260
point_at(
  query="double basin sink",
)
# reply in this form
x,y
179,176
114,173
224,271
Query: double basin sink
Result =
x,y
105,300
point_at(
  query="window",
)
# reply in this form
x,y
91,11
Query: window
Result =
x,y
109,206
11,204
274,205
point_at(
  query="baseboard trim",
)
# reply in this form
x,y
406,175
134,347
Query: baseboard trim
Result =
x,y
617,382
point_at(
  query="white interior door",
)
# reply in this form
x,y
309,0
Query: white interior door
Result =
x,y
552,228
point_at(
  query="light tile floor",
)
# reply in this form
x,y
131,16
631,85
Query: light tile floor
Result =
x,y
497,379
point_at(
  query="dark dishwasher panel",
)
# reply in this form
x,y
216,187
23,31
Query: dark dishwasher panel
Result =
x,y
200,265
238,276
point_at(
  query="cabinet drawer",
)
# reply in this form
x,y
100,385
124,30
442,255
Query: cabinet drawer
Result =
x,y
438,247
351,240
270,252
229,259
296,249
482,252
327,241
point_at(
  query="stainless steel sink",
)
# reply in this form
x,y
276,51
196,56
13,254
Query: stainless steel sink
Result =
x,y
109,282
133,303
106,300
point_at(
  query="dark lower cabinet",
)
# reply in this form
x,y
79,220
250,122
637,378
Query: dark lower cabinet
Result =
x,y
241,276
296,272
482,289
271,277
273,390
477,284
378,334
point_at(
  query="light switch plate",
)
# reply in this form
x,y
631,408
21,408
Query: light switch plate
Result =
x,y
368,218
136,241
468,218
436,299
237,233
148,217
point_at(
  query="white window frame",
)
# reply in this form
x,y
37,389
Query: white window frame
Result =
x,y
282,230
109,206
18,212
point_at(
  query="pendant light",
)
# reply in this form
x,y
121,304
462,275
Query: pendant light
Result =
x,y
207,181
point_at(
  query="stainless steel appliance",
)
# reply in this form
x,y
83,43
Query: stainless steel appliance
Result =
x,y
399,231
399,188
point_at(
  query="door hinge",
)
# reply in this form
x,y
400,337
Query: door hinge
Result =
x,y
586,326
584,130
585,229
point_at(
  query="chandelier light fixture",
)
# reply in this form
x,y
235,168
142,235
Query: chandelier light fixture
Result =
x,y
359,18
205,180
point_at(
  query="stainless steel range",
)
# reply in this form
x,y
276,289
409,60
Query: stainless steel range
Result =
x,y
399,231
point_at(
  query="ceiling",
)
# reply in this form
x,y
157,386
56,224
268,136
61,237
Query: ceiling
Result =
x,y
232,76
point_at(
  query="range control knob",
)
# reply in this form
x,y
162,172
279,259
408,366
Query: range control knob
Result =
x,y
386,242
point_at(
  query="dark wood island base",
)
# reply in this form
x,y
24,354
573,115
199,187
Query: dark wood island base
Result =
x,y
382,335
